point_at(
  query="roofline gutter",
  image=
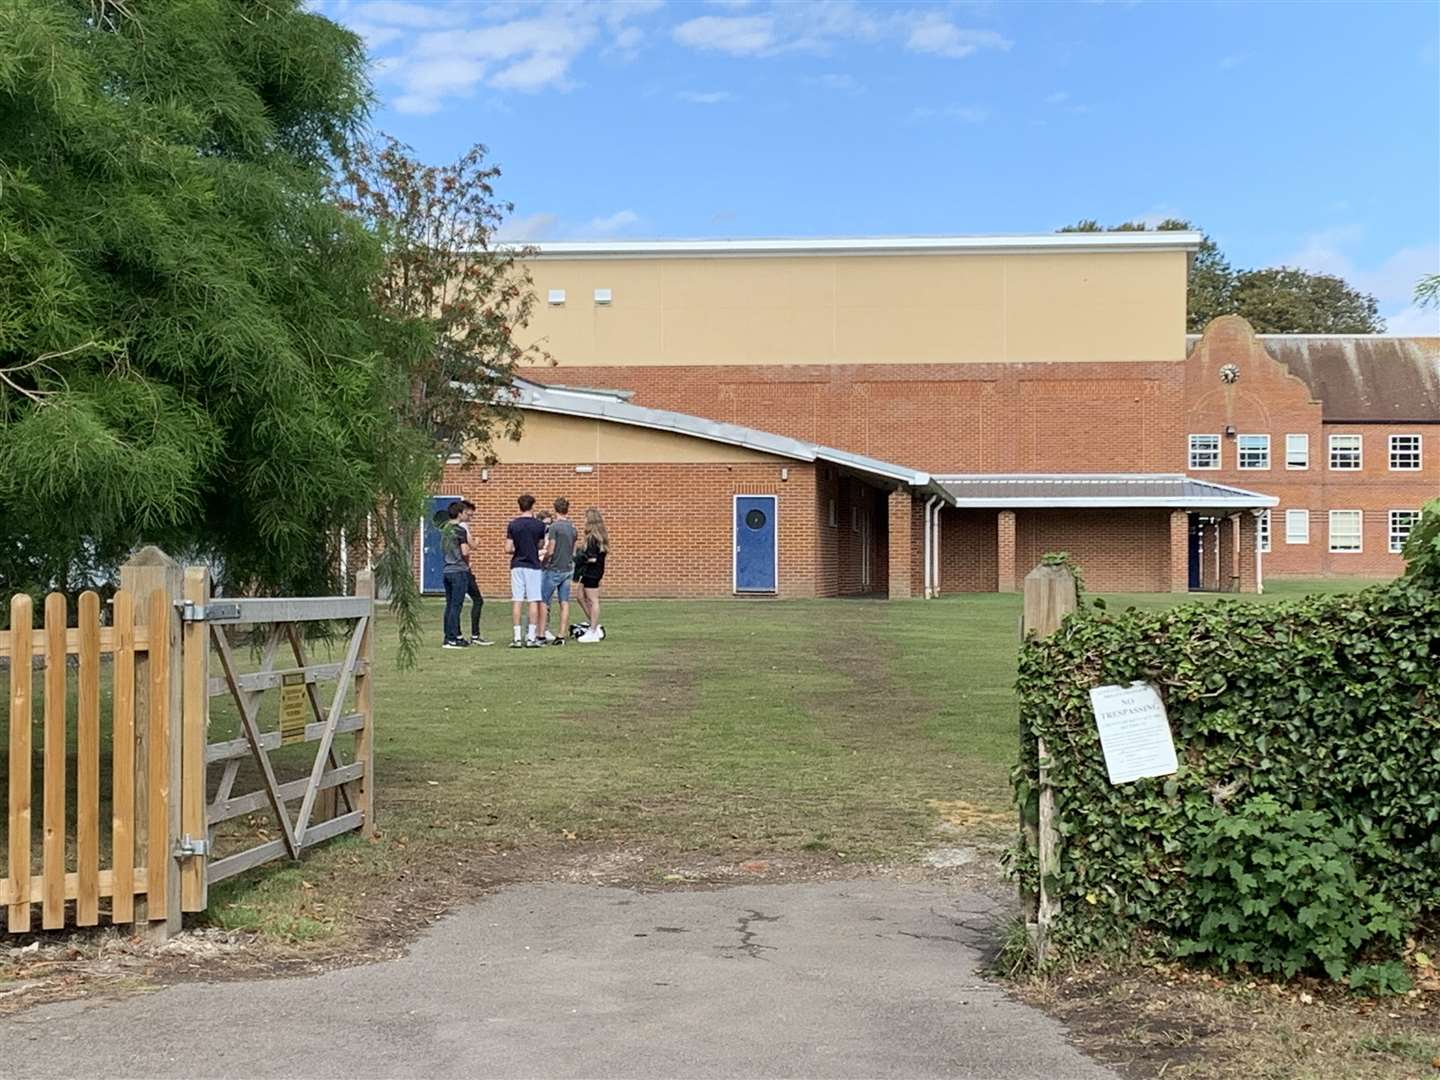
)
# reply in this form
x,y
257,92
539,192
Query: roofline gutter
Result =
x,y
1120,502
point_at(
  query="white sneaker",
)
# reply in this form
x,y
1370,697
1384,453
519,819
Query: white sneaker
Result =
x,y
590,637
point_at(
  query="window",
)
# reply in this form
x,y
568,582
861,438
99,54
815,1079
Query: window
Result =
x,y
854,519
1345,530
1345,452
1401,522
1264,530
1297,526
834,519
1204,451
1254,451
1297,451
1404,452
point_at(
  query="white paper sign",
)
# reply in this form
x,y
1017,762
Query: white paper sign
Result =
x,y
1134,732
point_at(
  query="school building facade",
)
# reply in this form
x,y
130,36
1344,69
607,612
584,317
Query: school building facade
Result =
x,y
913,417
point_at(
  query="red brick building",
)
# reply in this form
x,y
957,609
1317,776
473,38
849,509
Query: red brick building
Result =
x,y
993,398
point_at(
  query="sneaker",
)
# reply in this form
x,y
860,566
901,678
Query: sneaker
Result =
x,y
555,641
517,644
590,637
478,640
458,643
531,643
550,638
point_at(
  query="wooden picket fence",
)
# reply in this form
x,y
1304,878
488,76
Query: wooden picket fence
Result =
x,y
162,823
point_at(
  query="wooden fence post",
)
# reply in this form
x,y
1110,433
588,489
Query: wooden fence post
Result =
x,y
365,706
157,696
1049,596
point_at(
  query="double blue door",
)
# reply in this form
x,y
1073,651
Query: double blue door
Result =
x,y
755,565
432,559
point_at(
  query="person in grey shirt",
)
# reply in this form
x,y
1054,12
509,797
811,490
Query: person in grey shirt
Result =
x,y
559,562
455,549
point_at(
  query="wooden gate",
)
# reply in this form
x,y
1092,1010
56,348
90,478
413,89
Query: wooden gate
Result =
x,y
334,796
125,720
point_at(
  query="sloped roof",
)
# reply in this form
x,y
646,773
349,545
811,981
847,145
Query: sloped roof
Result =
x,y
1030,491
611,406
1365,378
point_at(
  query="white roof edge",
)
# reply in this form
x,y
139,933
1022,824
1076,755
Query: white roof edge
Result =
x,y
1068,476
870,245
1062,501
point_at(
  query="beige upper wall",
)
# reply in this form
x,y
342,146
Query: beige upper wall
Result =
x,y
828,309
551,439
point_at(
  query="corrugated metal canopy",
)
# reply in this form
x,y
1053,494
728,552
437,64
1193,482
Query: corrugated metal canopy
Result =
x,y
1034,491
1366,378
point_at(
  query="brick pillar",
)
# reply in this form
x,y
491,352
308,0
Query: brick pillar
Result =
x,y
1209,556
1248,526
1005,580
1229,536
1179,551
902,544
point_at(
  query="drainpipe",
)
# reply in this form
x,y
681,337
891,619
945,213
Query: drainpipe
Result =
x,y
935,577
930,545
1259,554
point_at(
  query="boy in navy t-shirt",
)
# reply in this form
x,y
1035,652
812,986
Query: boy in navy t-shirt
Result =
x,y
524,537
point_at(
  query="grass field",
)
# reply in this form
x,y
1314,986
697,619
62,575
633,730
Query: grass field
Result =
x,y
844,730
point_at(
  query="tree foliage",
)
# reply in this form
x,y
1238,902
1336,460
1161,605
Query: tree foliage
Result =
x,y
200,344
451,299
1283,300
187,336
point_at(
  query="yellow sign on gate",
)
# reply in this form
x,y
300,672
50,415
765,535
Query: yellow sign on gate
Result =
x,y
294,708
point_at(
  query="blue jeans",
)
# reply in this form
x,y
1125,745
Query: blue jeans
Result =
x,y
555,582
456,588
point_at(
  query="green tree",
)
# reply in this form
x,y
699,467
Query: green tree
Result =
x,y
1285,300
1276,301
190,351
452,297
1427,291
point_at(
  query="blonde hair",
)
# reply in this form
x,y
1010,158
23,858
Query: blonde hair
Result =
x,y
595,527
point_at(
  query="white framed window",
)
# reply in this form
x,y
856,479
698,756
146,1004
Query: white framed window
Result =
x,y
1404,452
1297,526
1347,531
834,517
1297,451
1264,530
1253,451
1345,452
854,519
1401,522
1204,451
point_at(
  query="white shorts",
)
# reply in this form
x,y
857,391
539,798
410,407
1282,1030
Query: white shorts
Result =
x,y
525,583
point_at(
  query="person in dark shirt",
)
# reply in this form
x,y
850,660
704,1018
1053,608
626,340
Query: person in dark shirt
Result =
x,y
524,537
477,601
455,550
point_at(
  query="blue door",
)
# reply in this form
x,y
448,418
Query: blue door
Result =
x,y
432,561
1194,552
755,543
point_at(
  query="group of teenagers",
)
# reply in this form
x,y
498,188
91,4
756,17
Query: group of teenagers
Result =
x,y
548,556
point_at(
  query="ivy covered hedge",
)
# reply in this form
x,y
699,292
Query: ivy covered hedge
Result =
x,y
1302,831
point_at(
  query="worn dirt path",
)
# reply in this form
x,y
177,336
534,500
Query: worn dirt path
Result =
x,y
870,978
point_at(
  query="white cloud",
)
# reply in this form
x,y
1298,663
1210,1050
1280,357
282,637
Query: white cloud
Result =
x,y
840,83
1060,97
709,97
614,223
527,230
397,13
935,34
1391,282
964,114
1413,321
534,73
1234,60
743,35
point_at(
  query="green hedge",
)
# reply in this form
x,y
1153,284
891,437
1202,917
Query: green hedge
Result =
x,y
1301,830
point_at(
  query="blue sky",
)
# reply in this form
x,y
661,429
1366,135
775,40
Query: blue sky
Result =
x,y
1297,134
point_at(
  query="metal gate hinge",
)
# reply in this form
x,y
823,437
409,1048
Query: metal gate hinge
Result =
x,y
211,612
188,847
